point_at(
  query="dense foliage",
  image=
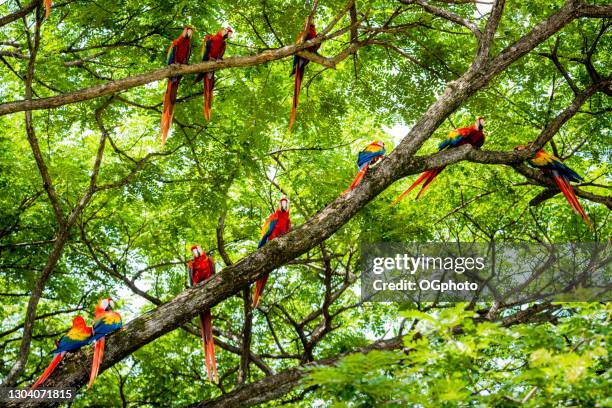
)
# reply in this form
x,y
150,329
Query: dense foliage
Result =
x,y
223,178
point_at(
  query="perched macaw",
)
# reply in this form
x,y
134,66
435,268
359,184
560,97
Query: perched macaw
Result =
x,y
472,135
78,336
300,63
178,53
201,268
47,8
370,155
107,321
213,48
562,175
276,225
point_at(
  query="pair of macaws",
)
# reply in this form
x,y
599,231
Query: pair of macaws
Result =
x,y
106,321
550,165
376,151
202,267
213,48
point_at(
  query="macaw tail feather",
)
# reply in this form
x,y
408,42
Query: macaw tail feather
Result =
x,y
209,345
357,178
426,177
97,359
259,287
209,83
433,175
47,8
571,198
56,360
297,84
169,100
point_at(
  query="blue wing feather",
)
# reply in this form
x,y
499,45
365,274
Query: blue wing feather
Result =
x,y
206,56
264,238
171,55
565,171
366,157
450,142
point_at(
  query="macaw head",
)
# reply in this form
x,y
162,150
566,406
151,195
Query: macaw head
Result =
x,y
284,204
480,123
106,304
78,321
227,32
187,31
379,143
196,251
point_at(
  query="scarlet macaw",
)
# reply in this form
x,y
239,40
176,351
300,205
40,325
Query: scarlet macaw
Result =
x,y
276,225
178,53
300,63
107,321
562,175
78,336
213,48
200,269
370,155
472,135
47,8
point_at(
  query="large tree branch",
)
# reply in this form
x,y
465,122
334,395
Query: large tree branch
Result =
x,y
275,386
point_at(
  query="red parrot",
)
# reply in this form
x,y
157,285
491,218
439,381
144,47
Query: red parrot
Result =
x,y
370,155
78,336
200,269
562,175
178,53
47,8
107,321
213,48
300,63
468,135
276,225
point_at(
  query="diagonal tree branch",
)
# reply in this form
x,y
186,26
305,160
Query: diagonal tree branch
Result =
x,y
20,13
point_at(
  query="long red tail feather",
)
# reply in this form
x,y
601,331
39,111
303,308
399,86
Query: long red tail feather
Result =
x,y
168,112
47,8
209,345
97,359
208,94
571,198
259,287
296,94
432,177
357,179
424,176
56,360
